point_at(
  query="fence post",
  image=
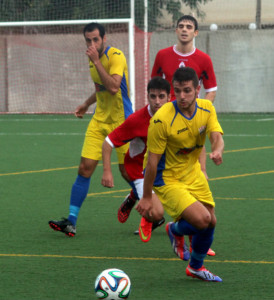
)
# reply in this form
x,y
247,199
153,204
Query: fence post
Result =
x,y
258,13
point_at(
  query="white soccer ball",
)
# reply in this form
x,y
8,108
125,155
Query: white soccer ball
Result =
x,y
252,26
112,284
213,27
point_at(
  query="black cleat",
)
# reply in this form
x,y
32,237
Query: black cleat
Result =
x,y
64,226
125,209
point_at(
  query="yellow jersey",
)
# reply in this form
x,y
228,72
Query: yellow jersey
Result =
x,y
180,140
112,108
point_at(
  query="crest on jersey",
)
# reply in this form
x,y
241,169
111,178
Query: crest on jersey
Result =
x,y
202,129
182,64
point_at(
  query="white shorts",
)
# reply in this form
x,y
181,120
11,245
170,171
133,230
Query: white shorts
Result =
x,y
138,188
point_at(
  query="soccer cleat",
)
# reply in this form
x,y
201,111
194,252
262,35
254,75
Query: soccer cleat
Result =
x,y
125,209
145,230
64,226
211,252
178,244
154,225
202,274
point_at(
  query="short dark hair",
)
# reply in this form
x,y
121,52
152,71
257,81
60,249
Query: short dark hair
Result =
x,y
159,83
186,74
189,18
93,26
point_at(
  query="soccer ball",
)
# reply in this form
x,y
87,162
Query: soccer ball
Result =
x,y
112,284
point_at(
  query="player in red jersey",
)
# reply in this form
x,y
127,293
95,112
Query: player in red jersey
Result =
x,y
134,129
185,54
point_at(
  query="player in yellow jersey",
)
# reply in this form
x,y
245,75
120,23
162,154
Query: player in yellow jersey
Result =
x,y
109,72
176,135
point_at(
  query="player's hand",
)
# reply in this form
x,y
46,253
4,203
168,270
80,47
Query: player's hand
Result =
x,y
92,53
80,111
217,158
107,180
144,207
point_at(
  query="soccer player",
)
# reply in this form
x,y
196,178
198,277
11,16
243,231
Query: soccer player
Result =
x,y
134,129
109,72
176,135
185,54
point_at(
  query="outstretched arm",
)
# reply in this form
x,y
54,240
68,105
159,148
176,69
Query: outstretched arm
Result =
x,y
217,147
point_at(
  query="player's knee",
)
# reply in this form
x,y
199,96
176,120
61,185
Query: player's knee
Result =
x,y
85,169
203,221
158,214
213,221
84,172
158,209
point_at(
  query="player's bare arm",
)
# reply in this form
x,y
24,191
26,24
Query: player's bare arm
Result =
x,y
217,147
107,178
82,109
202,160
145,203
210,96
111,82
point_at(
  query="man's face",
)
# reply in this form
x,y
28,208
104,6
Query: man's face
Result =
x,y
185,94
186,31
156,98
94,39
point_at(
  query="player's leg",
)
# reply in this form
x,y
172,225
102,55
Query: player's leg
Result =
x,y
80,187
91,154
210,251
126,207
192,215
147,224
201,242
129,202
155,218
123,172
203,238
171,196
202,160
78,194
186,226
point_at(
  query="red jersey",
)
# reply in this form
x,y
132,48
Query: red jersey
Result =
x,y
134,130
168,60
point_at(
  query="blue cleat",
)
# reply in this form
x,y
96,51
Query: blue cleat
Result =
x,y
202,274
178,244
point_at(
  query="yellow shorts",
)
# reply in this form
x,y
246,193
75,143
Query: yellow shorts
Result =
x,y
94,138
177,196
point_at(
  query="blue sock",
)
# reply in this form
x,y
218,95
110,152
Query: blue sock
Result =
x,y
182,227
78,194
201,242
